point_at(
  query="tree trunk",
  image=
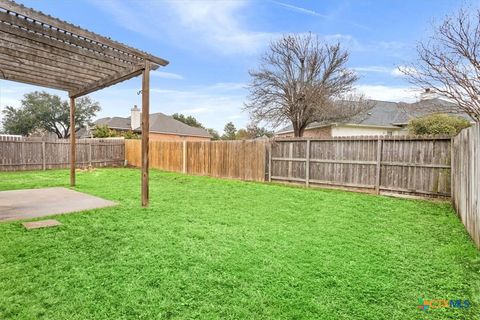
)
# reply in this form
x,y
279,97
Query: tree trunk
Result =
x,y
298,131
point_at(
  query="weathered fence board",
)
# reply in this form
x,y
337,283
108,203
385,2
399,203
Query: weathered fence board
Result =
x,y
16,155
466,179
229,159
391,164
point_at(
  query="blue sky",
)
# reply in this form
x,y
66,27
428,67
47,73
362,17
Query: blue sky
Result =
x,y
211,45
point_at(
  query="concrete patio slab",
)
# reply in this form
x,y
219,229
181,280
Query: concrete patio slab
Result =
x,y
41,224
34,203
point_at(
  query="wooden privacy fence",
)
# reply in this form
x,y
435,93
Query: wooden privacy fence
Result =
x,y
390,164
466,179
229,159
40,155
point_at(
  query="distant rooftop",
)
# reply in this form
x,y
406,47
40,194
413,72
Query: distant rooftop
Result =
x,y
391,114
159,122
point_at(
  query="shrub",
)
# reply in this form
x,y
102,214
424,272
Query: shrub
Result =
x,y
437,124
130,135
103,131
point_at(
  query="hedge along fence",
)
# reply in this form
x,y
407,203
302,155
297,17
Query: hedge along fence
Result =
x,y
414,165
17,155
466,179
243,160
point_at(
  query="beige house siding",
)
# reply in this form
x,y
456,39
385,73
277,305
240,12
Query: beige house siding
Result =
x,y
353,130
347,131
323,132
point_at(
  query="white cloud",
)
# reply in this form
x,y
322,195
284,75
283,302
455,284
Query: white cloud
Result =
x,y
217,25
375,69
166,75
396,72
388,93
300,9
220,25
196,110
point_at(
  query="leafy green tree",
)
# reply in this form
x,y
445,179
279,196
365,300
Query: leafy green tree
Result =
x,y
18,121
188,120
437,124
214,133
229,132
44,111
254,131
242,134
193,122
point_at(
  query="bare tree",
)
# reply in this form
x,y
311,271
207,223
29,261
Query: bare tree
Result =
x,y
303,80
448,62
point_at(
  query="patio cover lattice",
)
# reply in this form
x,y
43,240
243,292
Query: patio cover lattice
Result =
x,y
38,49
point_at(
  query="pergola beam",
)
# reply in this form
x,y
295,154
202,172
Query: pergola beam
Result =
x,y
108,81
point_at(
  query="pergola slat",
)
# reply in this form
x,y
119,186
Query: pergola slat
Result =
x,y
34,80
34,49
52,33
38,49
38,16
9,70
33,68
60,45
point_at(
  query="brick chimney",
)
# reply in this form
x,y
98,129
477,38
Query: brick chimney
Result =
x,y
135,117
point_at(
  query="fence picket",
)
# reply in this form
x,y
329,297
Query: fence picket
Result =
x,y
21,154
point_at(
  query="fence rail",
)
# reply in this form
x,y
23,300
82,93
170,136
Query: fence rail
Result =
x,y
416,165
16,155
466,180
229,159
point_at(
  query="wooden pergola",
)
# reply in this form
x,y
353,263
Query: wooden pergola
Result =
x,y
41,50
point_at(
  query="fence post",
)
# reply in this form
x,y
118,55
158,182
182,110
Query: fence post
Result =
x,y
44,160
90,153
184,155
379,162
290,162
270,161
307,165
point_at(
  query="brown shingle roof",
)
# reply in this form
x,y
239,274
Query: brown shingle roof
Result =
x,y
388,114
159,122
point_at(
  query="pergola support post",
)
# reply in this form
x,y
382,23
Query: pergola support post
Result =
x,y
73,155
145,131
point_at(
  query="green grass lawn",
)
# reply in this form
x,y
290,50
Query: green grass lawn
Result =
x,y
219,249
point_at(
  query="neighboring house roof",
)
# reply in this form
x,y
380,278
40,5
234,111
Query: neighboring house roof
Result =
x,y
115,123
391,114
162,123
159,122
